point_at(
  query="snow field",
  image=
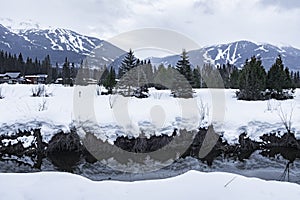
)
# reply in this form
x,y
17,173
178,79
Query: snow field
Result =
x,y
111,116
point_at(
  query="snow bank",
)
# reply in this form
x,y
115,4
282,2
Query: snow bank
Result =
x,y
192,185
160,113
257,117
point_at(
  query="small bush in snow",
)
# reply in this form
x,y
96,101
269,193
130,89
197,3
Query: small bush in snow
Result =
x,y
141,92
39,91
286,117
157,95
1,93
98,90
204,112
101,90
43,105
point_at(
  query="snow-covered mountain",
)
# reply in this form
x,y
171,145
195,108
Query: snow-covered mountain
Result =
x,y
236,53
33,41
58,43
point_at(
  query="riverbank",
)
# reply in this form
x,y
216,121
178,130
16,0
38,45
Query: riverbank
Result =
x,y
43,133
159,114
181,152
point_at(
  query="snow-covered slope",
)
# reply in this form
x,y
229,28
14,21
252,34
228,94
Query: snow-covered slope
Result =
x,y
58,43
237,52
192,185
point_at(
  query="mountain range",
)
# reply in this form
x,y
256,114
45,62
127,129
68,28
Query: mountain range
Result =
x,y
60,43
236,53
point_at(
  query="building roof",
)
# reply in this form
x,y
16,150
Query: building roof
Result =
x,y
11,74
37,76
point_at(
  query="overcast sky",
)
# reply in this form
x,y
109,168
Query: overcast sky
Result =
x,y
204,21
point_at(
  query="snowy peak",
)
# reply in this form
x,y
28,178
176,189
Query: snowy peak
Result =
x,y
61,39
58,43
29,39
236,53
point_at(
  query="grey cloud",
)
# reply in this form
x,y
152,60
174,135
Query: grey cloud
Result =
x,y
286,4
207,21
205,7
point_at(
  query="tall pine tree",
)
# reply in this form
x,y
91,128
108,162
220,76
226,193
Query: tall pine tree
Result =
x,y
182,86
252,80
127,75
66,72
110,80
128,63
279,79
184,67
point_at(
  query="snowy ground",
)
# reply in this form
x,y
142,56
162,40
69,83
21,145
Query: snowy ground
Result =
x,y
114,115
192,185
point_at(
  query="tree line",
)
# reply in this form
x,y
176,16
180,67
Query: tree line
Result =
x,y
135,76
66,73
253,81
13,63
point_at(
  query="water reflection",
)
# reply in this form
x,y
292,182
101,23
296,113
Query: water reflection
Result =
x,y
272,164
65,161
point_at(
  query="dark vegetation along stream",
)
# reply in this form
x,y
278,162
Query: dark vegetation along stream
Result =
x,y
275,158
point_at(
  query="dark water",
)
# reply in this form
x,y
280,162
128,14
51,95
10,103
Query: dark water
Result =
x,y
268,166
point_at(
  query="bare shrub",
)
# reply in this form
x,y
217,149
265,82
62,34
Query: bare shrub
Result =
x,y
1,93
272,104
203,111
286,117
269,106
98,90
111,100
39,91
43,105
157,95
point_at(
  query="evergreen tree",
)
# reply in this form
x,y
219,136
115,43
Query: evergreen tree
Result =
x,y
183,81
21,64
288,83
296,79
73,72
104,75
226,72
86,74
128,63
144,77
184,67
234,79
279,79
196,78
211,77
47,69
66,72
252,80
36,66
276,76
81,74
161,78
110,80
128,76
55,73
148,72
